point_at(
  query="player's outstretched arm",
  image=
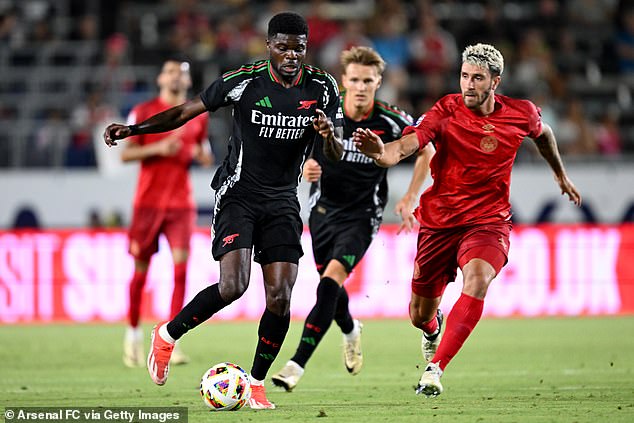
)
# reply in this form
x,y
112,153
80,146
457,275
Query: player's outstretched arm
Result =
x,y
161,122
383,155
333,144
405,207
166,147
547,146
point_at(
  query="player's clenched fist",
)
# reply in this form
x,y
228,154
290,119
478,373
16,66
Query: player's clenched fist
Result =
x,y
116,132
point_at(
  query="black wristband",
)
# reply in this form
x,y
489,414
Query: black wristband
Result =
x,y
134,129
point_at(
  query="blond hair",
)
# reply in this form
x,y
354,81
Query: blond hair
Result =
x,y
486,56
365,56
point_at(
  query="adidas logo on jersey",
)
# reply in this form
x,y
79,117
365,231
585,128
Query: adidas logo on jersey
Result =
x,y
264,102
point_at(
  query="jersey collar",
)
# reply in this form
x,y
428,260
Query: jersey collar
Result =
x,y
274,78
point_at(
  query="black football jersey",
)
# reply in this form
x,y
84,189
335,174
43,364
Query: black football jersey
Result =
x,y
356,184
272,126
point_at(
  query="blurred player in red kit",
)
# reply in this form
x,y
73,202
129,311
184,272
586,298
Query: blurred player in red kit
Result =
x,y
163,202
465,217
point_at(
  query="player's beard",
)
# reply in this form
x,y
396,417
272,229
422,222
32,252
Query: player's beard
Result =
x,y
480,99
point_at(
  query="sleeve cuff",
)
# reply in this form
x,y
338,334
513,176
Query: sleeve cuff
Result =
x,y
411,129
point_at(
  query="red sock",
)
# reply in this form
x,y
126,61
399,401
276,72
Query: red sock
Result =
x,y
136,294
178,295
464,316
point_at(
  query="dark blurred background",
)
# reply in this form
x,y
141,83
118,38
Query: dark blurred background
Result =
x,y
67,66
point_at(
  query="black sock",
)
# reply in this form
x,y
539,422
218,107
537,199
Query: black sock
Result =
x,y
342,313
318,320
204,305
271,334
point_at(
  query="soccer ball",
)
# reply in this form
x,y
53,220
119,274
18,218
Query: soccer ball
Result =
x,y
225,386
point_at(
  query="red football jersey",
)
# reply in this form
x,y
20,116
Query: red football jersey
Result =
x,y
473,160
163,182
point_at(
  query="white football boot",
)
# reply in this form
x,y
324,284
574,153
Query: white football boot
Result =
x,y
288,377
133,351
352,354
429,383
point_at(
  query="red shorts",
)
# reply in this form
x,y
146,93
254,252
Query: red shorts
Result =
x,y
440,252
147,224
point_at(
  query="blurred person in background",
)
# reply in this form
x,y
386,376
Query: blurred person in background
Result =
x,y
12,29
465,215
347,201
322,26
432,48
163,202
492,28
115,76
86,119
575,132
608,134
86,28
624,41
352,34
534,61
51,140
590,14
390,41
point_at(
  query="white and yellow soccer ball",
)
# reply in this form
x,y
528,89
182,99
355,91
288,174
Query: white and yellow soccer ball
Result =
x,y
225,386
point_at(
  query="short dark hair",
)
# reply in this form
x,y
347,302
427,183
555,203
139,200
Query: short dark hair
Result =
x,y
287,23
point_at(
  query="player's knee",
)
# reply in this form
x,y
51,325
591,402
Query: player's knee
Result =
x,y
278,305
477,275
180,255
232,293
327,291
233,288
421,313
418,316
278,300
476,285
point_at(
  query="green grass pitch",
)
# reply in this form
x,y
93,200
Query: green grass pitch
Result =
x,y
510,370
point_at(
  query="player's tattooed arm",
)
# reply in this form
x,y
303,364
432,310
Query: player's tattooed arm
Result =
x,y
160,122
547,146
405,206
333,144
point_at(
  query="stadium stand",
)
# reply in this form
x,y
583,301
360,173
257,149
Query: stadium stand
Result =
x,y
54,54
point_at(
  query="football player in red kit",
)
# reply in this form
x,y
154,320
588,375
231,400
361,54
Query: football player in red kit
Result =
x,y
465,216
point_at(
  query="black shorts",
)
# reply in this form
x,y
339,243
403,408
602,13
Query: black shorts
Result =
x,y
272,227
343,240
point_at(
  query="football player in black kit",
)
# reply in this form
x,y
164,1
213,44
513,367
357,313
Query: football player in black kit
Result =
x,y
280,107
347,202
